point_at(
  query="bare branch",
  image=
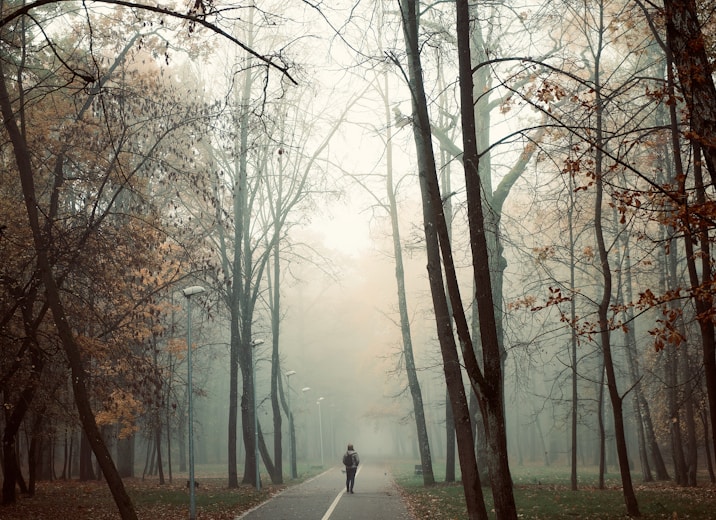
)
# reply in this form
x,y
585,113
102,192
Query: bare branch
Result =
x,y
198,19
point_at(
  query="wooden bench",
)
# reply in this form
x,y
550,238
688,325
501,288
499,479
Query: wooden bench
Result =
x,y
418,469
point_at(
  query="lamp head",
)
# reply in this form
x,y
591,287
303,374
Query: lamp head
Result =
x,y
290,373
191,291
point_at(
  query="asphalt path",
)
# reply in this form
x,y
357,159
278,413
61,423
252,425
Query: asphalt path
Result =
x,y
324,497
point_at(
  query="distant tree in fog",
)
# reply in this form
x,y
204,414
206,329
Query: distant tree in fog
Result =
x,y
292,179
387,203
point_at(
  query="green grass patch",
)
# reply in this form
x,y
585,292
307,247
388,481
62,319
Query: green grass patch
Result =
x,y
545,495
211,495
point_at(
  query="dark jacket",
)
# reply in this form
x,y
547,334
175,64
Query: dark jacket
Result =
x,y
354,459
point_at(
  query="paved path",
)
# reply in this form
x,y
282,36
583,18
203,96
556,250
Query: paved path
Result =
x,y
324,497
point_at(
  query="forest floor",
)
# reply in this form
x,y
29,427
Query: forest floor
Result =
x,y
539,496
75,500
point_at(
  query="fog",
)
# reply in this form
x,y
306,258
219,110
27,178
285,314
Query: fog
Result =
x,y
340,337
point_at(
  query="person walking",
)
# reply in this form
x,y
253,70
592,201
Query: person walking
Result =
x,y
350,461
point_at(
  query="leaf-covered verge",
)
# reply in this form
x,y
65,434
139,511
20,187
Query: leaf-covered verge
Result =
x,y
541,499
539,496
62,499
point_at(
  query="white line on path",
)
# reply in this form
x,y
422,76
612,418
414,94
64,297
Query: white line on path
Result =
x,y
246,513
335,501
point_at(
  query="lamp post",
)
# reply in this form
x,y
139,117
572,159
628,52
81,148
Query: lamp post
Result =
x,y
255,343
320,427
303,391
291,433
331,414
188,293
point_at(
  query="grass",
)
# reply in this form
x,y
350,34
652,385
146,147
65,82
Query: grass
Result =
x,y
62,499
545,494
212,495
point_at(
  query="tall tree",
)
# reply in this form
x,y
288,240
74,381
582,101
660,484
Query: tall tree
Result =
x,y
488,384
687,50
408,356
603,312
432,214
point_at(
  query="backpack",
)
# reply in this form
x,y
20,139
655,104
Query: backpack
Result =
x,y
348,459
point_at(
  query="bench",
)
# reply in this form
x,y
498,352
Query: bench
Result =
x,y
418,469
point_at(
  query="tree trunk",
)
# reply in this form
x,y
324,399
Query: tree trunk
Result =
x,y
265,453
446,159
169,441
292,440
65,457
149,450
641,405
630,344
158,442
233,395
71,455
241,287
449,441
491,398
432,210
234,269
247,420
125,456
638,418
573,341
603,312
652,444
673,400
686,43
276,372
182,440
32,462
11,470
602,440
692,457
707,445
426,460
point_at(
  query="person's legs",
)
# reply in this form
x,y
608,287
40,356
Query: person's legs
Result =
x,y
348,480
351,475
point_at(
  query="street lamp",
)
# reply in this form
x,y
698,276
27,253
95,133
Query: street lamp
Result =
x,y
291,432
320,427
303,391
188,293
255,343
